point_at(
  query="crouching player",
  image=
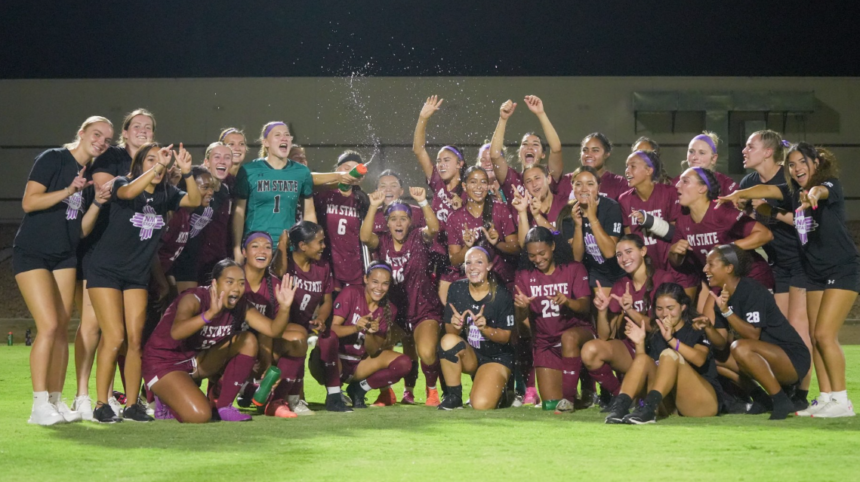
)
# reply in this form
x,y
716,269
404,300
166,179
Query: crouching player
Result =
x,y
199,336
479,319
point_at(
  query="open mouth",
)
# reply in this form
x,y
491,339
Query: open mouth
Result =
x,y
529,157
627,265
399,232
232,299
377,293
801,177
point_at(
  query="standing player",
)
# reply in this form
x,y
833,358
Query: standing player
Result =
x,y
119,269
445,181
831,262
199,336
407,251
235,140
215,242
270,189
44,258
391,184
673,367
702,153
552,289
769,350
479,320
596,149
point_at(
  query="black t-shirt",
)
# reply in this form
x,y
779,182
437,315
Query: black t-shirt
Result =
x,y
498,311
784,250
828,248
56,231
117,162
690,337
754,304
610,218
127,247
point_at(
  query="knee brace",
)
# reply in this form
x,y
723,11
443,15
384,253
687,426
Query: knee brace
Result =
x,y
451,355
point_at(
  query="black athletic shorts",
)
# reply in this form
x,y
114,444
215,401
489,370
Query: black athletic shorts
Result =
x,y
506,359
847,279
184,269
605,280
23,262
800,358
788,276
97,278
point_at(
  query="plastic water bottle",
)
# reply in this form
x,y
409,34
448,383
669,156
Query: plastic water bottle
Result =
x,y
273,374
9,339
356,172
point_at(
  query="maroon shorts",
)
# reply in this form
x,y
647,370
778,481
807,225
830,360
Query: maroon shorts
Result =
x,y
547,352
348,364
630,347
155,368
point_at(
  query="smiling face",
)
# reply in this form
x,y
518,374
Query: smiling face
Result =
x,y
219,162
278,142
206,187
536,183
398,224
232,284
668,310
96,138
258,253
629,256
637,171
140,131
236,143
541,255
314,248
716,271
593,154
585,188
801,168
477,185
390,185
700,154
690,188
531,150
448,165
376,284
477,266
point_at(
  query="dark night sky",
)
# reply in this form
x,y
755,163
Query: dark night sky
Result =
x,y
408,38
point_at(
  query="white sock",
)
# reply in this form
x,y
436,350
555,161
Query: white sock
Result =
x,y
40,398
292,399
365,386
331,390
824,397
409,389
841,397
432,388
55,397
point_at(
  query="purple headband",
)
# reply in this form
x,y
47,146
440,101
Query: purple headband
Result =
x,y
378,266
270,127
484,148
785,143
398,207
258,234
644,157
487,253
707,139
701,173
227,133
454,150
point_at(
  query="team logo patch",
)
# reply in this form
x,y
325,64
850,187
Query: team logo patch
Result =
x,y
74,202
147,221
198,221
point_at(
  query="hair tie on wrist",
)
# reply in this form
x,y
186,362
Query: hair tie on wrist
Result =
x,y
205,320
186,175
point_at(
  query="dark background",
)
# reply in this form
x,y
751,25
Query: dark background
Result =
x,y
123,39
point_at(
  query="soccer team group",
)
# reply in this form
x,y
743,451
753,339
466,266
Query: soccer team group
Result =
x,y
644,295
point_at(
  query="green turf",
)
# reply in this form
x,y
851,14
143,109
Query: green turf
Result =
x,y
418,443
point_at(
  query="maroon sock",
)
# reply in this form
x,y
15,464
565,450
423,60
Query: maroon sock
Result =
x,y
328,345
299,385
586,381
396,370
606,379
412,377
290,367
571,368
120,364
237,371
431,373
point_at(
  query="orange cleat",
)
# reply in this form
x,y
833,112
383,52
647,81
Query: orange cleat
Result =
x,y
432,398
386,398
280,409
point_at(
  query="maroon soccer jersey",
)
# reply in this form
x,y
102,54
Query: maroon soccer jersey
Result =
x,y
461,219
442,207
727,184
264,299
174,238
312,286
663,203
558,203
620,287
721,225
380,226
352,305
611,185
215,238
551,320
161,345
339,216
513,182
413,290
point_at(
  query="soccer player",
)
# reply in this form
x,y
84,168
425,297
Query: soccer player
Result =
x,y
390,183
407,251
199,336
235,140
119,269
479,320
215,243
270,189
539,206
596,149
673,367
702,152
768,350
44,259
552,289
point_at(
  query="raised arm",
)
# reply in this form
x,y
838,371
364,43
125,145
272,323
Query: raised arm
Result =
x,y
762,191
309,212
274,328
136,187
554,163
238,228
431,229
419,139
366,234
500,164
759,236
192,196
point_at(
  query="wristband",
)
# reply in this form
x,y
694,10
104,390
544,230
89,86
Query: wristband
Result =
x,y
677,344
186,175
98,204
727,314
205,321
423,203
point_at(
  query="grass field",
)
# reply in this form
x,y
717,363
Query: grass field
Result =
x,y
416,443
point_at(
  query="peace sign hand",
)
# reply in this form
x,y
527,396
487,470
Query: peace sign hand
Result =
x,y
431,105
721,301
492,235
626,300
601,301
702,323
374,326
479,320
519,202
665,329
456,201
183,159
521,300
469,237
165,156
364,322
560,299
634,331
79,182
103,192
456,318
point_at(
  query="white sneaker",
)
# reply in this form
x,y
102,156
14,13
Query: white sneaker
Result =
x,y
115,406
834,409
813,408
45,414
299,407
150,409
518,401
84,406
68,414
564,405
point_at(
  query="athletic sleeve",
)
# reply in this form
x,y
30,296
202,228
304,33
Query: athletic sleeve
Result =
x,y
612,221
579,282
503,314
174,197
307,184
328,285
46,166
343,304
454,229
243,191
743,224
834,187
117,183
106,163
503,220
753,310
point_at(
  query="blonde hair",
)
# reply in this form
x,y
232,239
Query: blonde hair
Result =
x,y
264,152
127,122
230,130
95,119
772,140
213,146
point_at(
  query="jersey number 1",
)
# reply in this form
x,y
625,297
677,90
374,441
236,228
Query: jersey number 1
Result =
x,y
277,204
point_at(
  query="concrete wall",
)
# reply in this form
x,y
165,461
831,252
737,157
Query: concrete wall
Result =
x,y
378,114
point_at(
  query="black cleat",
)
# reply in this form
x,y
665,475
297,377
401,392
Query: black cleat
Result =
x,y
451,402
334,403
356,393
618,409
604,400
136,413
642,415
782,406
104,414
